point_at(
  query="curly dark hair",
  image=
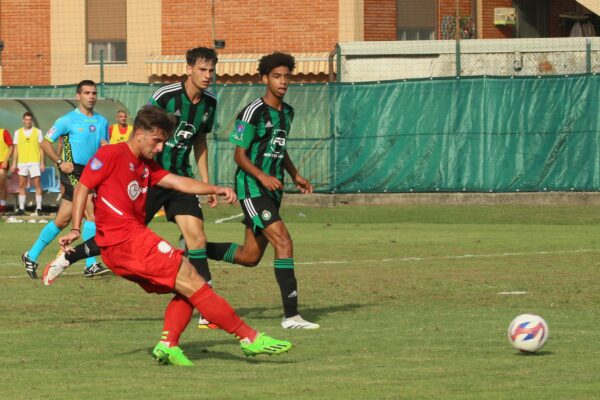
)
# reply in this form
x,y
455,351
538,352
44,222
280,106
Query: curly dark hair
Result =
x,y
271,61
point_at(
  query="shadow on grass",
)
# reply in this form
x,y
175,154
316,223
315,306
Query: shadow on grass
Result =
x,y
124,318
537,354
201,351
313,314
261,313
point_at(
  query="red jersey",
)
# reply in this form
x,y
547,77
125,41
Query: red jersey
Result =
x,y
121,181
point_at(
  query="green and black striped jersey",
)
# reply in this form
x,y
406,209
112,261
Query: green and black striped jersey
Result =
x,y
263,131
192,120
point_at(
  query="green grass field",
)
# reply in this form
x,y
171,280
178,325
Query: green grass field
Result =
x,y
408,299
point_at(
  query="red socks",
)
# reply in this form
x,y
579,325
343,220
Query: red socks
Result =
x,y
216,310
177,316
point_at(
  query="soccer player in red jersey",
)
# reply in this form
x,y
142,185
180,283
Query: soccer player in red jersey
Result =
x,y
120,176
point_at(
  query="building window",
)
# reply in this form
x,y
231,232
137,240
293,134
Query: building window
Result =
x,y
106,30
417,19
532,18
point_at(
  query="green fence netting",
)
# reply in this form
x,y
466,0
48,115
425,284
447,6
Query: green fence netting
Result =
x,y
471,134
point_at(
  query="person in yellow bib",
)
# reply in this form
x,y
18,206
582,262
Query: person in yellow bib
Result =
x,y
28,158
6,149
120,131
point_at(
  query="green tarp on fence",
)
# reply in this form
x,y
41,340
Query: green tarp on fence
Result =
x,y
470,134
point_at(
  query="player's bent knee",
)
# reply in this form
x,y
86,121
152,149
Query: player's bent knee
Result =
x,y
196,243
285,245
248,260
249,263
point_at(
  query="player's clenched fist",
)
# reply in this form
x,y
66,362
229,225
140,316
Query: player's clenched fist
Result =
x,y
228,194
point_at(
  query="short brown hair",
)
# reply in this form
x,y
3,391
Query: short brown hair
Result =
x,y
192,56
151,117
85,82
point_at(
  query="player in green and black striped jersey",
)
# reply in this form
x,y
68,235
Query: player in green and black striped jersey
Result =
x,y
260,135
194,108
261,130
195,116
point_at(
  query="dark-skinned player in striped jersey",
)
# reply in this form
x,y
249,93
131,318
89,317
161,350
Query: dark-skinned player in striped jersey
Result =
x,y
260,134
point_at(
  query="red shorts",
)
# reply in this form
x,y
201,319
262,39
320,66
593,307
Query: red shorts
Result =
x,y
146,259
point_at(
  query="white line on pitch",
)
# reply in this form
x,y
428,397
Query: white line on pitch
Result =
x,y
451,257
325,262
26,276
229,218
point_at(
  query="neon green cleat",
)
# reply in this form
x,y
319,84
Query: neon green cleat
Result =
x,y
170,355
264,344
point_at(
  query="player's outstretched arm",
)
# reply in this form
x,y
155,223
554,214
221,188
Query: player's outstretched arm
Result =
x,y
192,186
79,202
301,183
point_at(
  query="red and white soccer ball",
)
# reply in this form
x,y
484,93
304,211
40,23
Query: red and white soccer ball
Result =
x,y
528,333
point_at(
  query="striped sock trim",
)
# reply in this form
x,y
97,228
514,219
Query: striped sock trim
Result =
x,y
198,253
230,253
284,263
164,336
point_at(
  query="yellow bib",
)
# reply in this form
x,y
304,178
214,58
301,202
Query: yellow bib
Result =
x,y
28,147
116,136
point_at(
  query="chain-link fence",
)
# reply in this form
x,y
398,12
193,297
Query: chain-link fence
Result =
x,y
378,61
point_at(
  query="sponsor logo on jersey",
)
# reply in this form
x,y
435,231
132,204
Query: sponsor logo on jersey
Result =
x,y
205,117
185,131
268,124
278,141
266,215
177,113
133,190
92,128
145,173
50,132
96,164
131,167
164,247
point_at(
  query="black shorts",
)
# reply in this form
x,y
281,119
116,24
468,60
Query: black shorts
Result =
x,y
260,212
69,181
174,202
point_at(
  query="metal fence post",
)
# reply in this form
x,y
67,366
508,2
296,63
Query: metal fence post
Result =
x,y
588,56
101,73
338,52
458,67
